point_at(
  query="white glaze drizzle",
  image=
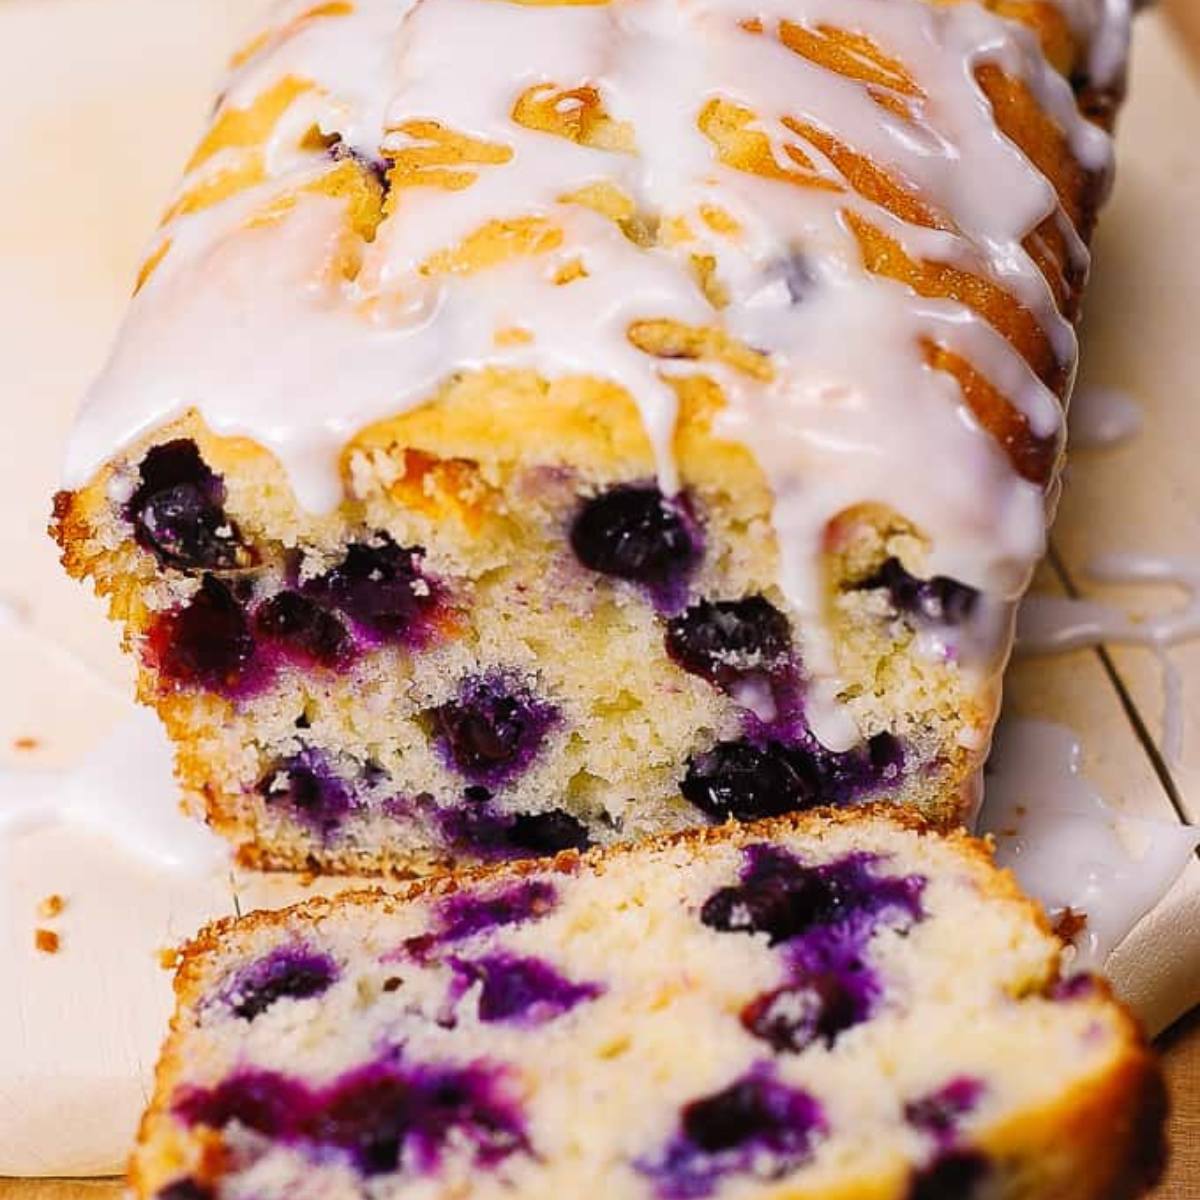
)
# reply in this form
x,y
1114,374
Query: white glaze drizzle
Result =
x,y
1048,624
1101,417
253,328
1066,846
124,790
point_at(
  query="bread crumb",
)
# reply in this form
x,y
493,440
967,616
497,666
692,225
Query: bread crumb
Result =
x,y
1069,924
51,906
46,940
168,958
26,743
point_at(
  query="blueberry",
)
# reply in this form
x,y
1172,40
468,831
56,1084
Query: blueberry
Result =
x,y
387,1118
634,532
289,973
384,1116
954,1175
263,1101
186,1188
725,642
493,729
784,899
818,1008
756,1126
304,629
838,777
548,832
939,1113
745,782
206,643
743,1111
307,785
381,588
939,601
369,1117
526,991
177,511
478,828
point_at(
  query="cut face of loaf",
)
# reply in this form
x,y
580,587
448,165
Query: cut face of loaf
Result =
x,y
817,1006
491,468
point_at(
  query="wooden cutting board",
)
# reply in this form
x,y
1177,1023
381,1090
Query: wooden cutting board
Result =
x,y
105,97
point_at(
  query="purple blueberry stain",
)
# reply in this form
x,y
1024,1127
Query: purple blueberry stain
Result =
x,y
635,533
303,631
824,1000
466,914
177,511
783,898
387,1116
939,1113
757,1127
750,778
207,642
291,972
381,588
492,730
823,916
262,1101
1073,987
403,1118
936,601
518,990
308,788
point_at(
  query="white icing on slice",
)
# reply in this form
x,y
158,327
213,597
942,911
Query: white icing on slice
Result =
x,y
1067,847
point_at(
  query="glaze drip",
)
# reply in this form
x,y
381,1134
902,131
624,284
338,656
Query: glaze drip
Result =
x,y
792,178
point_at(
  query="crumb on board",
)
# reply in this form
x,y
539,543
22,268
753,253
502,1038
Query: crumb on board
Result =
x,y
1068,924
26,743
46,940
168,958
51,906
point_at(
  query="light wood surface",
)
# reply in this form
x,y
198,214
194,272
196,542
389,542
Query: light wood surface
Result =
x,y
1139,335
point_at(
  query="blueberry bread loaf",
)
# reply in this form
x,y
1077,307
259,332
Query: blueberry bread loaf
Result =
x,y
544,424
817,1005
